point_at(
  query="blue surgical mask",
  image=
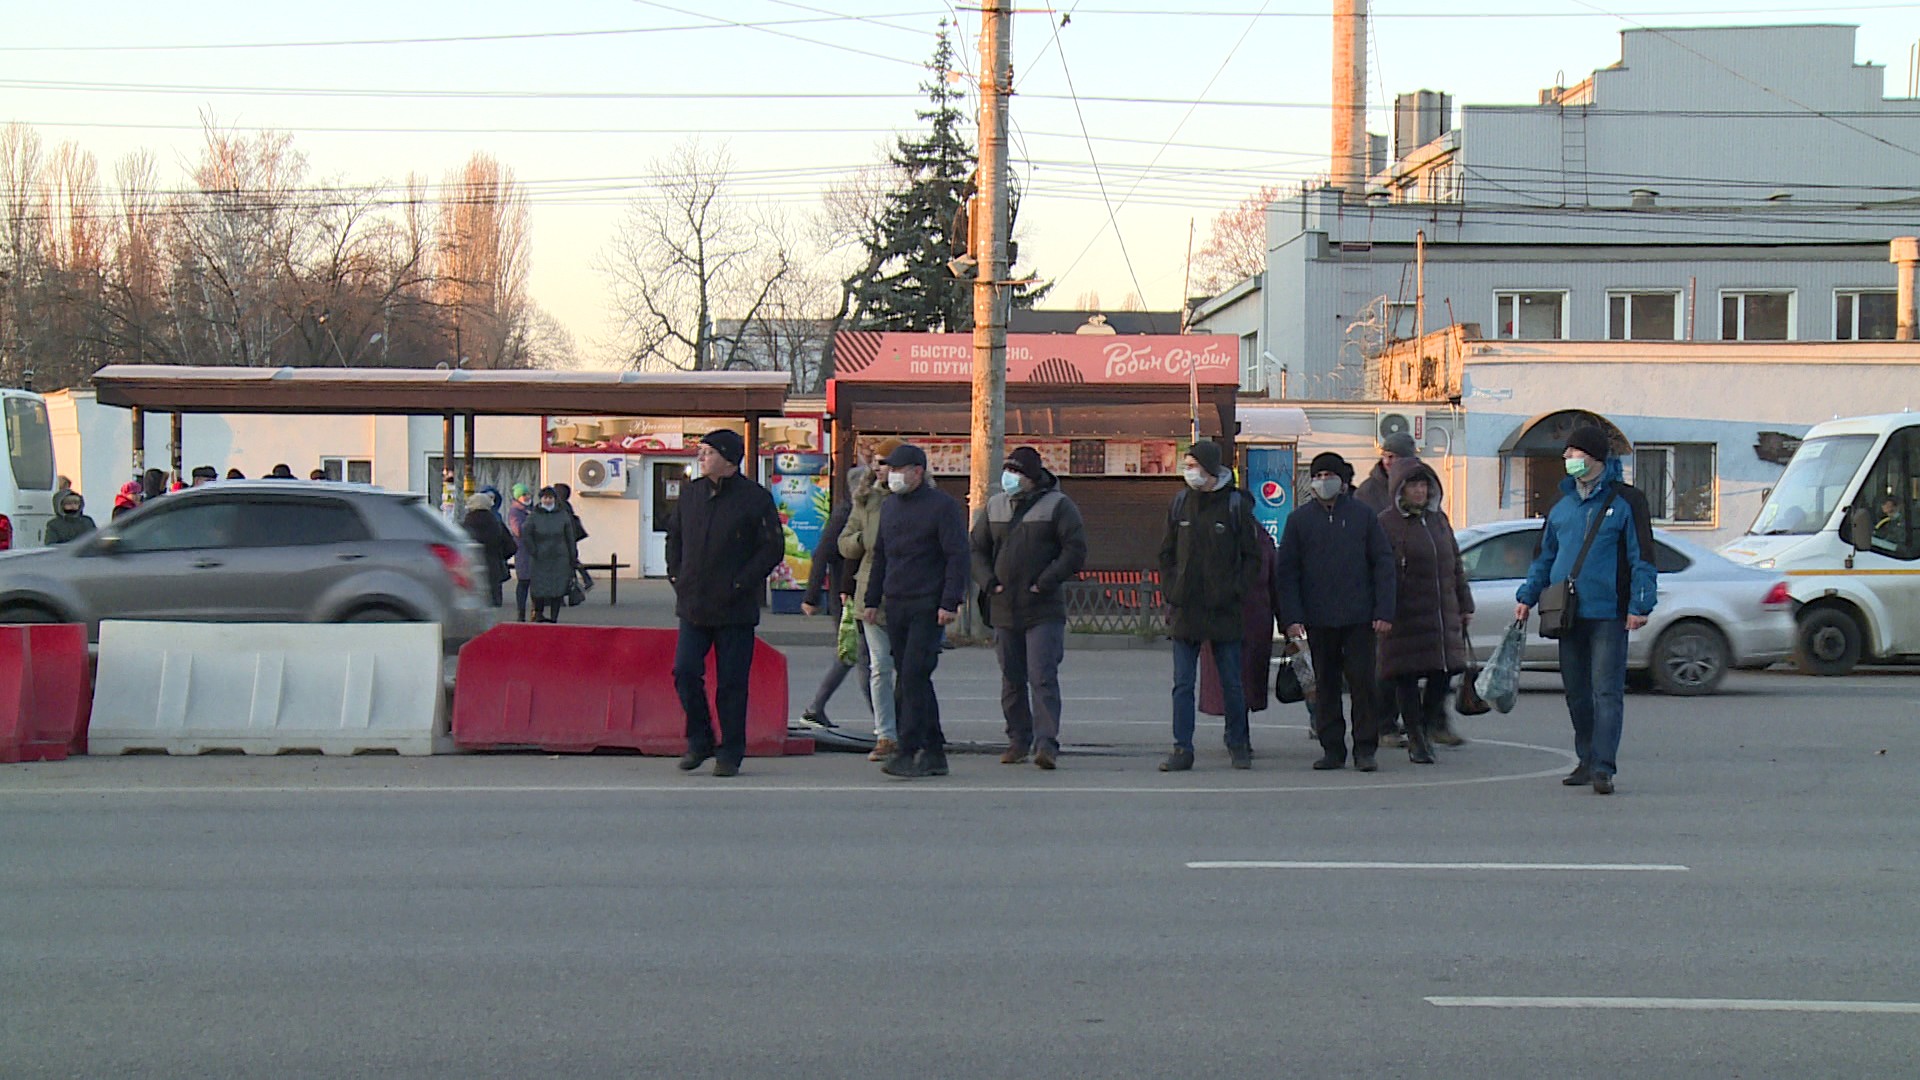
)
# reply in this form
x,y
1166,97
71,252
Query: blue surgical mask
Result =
x,y
1578,467
1010,482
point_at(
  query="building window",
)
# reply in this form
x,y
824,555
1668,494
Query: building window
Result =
x,y
1643,316
1678,481
1864,315
1251,376
1531,316
1756,316
1399,321
351,470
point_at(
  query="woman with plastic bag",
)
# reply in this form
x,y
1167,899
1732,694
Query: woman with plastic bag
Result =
x,y
1433,603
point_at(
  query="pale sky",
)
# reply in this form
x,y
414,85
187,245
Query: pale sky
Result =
x,y
1259,72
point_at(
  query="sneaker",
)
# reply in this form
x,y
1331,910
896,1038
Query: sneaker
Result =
x,y
694,758
883,749
724,768
820,718
1602,784
1044,758
1242,756
1579,777
1330,761
904,766
1179,761
1446,737
1365,762
1014,755
934,762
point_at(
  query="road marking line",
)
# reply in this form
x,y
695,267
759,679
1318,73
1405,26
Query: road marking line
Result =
x,y
1262,864
1905,1008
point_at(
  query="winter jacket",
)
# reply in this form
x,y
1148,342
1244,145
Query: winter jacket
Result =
x,y
829,566
1618,578
1431,595
1256,647
65,527
862,530
1336,567
724,539
1020,568
579,530
517,514
1375,492
547,553
1209,559
494,539
922,550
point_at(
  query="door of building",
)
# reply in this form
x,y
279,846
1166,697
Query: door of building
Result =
x,y
1544,475
664,478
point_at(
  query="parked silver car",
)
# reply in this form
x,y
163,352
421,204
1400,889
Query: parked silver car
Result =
x,y
260,551
1713,614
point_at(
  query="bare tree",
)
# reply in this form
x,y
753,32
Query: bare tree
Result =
x,y
480,263
22,245
1237,247
687,256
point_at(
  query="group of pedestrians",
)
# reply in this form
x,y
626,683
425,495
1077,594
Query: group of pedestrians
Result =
x,y
539,534
1369,581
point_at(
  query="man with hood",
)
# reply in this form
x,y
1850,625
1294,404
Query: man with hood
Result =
x,y
1616,591
1337,590
858,538
1027,543
69,521
1375,492
722,542
1209,559
1432,605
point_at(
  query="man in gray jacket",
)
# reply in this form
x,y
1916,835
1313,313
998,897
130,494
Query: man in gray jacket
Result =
x,y
1026,544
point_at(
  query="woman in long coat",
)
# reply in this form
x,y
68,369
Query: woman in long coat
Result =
x,y
1428,641
495,541
547,545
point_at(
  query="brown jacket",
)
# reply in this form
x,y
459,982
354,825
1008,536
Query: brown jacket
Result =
x,y
1433,598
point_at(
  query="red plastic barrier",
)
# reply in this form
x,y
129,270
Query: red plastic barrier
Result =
x,y
579,688
46,693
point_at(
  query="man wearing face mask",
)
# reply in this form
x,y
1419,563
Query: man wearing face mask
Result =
x,y
1209,559
1028,542
919,577
1616,591
1337,579
857,539
722,542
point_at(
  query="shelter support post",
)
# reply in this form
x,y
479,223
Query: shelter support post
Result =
x,y
445,478
467,487
177,422
139,440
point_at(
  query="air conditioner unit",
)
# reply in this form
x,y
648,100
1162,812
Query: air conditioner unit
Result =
x,y
1437,444
1388,424
600,476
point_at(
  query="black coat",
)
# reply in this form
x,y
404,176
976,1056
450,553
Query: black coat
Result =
x,y
65,527
1021,568
921,551
722,542
1209,561
491,534
830,568
1431,595
548,552
1336,566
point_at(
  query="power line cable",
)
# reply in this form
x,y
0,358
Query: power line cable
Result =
x,y
780,33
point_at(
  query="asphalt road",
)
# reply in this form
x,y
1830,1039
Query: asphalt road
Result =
x,y
518,915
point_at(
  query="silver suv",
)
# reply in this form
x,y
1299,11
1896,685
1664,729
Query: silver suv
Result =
x,y
260,551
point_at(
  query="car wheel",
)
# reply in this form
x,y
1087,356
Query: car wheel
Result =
x,y
379,614
1830,642
1690,659
25,613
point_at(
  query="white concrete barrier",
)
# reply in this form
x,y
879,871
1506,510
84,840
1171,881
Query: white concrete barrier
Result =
x,y
267,688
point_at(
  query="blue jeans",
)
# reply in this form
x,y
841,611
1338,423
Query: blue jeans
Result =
x,y
732,648
1030,683
1186,668
1593,666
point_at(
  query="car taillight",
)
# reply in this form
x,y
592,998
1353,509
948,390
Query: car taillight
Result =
x,y
6,533
454,563
1778,596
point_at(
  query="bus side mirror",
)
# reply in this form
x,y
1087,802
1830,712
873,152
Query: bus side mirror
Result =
x,y
1859,530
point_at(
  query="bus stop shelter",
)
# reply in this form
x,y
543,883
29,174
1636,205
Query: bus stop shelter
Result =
x,y
457,396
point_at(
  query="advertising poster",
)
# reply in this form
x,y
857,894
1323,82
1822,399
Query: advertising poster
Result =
x,y
799,483
1270,478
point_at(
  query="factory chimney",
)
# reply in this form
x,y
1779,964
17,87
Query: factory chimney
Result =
x,y
1350,145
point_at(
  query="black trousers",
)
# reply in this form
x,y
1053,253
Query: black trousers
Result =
x,y
1425,708
1344,653
916,637
732,649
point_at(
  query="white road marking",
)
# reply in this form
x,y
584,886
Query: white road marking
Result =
x,y
1905,1008
1263,864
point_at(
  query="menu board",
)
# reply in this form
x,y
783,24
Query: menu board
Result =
x,y
951,456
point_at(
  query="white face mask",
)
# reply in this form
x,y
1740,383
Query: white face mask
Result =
x,y
1326,488
1197,479
897,482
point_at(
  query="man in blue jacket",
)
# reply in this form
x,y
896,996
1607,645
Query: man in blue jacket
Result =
x,y
1616,590
1337,589
919,573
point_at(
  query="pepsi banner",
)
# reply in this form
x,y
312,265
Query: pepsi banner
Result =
x,y
1270,478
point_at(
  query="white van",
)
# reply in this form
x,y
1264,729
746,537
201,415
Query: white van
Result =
x,y
26,485
1843,526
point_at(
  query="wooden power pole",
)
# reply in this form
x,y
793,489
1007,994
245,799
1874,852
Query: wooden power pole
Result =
x,y
989,223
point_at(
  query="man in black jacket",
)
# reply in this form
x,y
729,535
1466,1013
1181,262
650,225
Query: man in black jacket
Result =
x,y
919,571
723,541
1337,585
1209,559
1027,543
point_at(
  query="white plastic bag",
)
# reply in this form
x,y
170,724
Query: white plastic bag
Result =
x,y
1499,682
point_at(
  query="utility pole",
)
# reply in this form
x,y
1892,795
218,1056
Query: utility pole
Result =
x,y
989,223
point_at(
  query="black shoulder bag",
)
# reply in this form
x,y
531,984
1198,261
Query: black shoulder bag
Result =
x,y
1560,603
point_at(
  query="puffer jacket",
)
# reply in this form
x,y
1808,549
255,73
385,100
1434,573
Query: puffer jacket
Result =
x,y
548,552
1431,595
862,530
1209,559
1020,569
1618,578
65,527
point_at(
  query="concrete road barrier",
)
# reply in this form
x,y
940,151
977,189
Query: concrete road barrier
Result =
x,y
45,694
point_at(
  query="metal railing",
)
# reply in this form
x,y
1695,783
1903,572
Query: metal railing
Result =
x,y
1116,602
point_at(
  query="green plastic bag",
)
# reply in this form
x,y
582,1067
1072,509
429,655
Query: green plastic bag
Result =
x,y
849,642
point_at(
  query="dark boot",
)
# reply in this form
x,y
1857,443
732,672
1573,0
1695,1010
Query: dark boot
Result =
x,y
1581,776
695,757
934,760
1179,761
905,766
1419,750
